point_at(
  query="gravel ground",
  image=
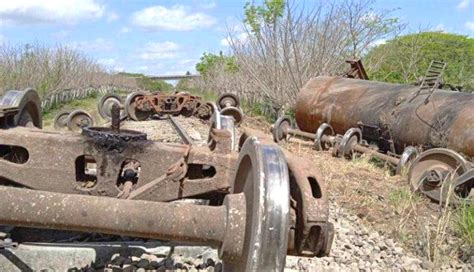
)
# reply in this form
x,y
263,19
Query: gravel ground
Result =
x,y
358,248
163,131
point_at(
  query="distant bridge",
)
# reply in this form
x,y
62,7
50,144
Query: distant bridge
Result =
x,y
174,77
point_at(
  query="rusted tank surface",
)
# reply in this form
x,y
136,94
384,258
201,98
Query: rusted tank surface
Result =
x,y
387,112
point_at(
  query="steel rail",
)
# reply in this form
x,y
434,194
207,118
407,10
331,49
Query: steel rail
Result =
x,y
181,131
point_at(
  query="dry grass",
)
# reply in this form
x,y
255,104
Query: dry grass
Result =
x,y
386,203
51,69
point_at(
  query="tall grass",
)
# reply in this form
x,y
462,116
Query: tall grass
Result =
x,y
465,223
51,69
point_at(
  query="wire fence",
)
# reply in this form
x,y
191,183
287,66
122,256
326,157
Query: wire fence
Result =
x,y
68,95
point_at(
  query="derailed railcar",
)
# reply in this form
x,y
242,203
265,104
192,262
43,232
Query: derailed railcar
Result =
x,y
389,121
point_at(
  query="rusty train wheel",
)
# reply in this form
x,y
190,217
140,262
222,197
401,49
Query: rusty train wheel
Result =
x,y
106,103
60,120
131,107
29,107
262,176
234,112
79,119
279,130
435,172
352,136
205,111
409,154
228,100
324,129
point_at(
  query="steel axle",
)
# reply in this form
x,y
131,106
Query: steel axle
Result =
x,y
344,145
136,218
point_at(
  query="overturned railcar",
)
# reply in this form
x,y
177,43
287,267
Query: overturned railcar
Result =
x,y
389,113
392,122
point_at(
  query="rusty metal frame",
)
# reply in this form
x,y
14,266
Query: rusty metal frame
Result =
x,y
356,70
63,172
160,103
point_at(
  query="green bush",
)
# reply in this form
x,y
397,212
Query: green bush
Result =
x,y
147,83
209,61
406,58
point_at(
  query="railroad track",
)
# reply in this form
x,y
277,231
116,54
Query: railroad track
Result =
x,y
181,131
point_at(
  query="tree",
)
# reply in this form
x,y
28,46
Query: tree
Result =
x,y
218,73
288,42
281,44
268,13
209,62
149,83
406,58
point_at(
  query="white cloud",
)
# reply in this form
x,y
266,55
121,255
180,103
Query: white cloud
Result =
x,y
2,39
463,4
124,29
113,64
225,42
109,62
379,42
51,11
61,34
175,72
439,27
119,69
238,38
112,16
142,68
187,62
159,50
177,18
208,5
470,26
97,45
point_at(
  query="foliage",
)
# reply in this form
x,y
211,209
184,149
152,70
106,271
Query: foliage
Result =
x,y
150,84
402,199
268,13
52,68
406,58
365,23
465,223
154,85
281,44
210,61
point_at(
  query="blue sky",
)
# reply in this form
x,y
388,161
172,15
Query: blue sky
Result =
x,y
168,37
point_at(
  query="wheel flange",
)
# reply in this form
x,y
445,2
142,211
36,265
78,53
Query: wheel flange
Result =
x,y
262,176
280,129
